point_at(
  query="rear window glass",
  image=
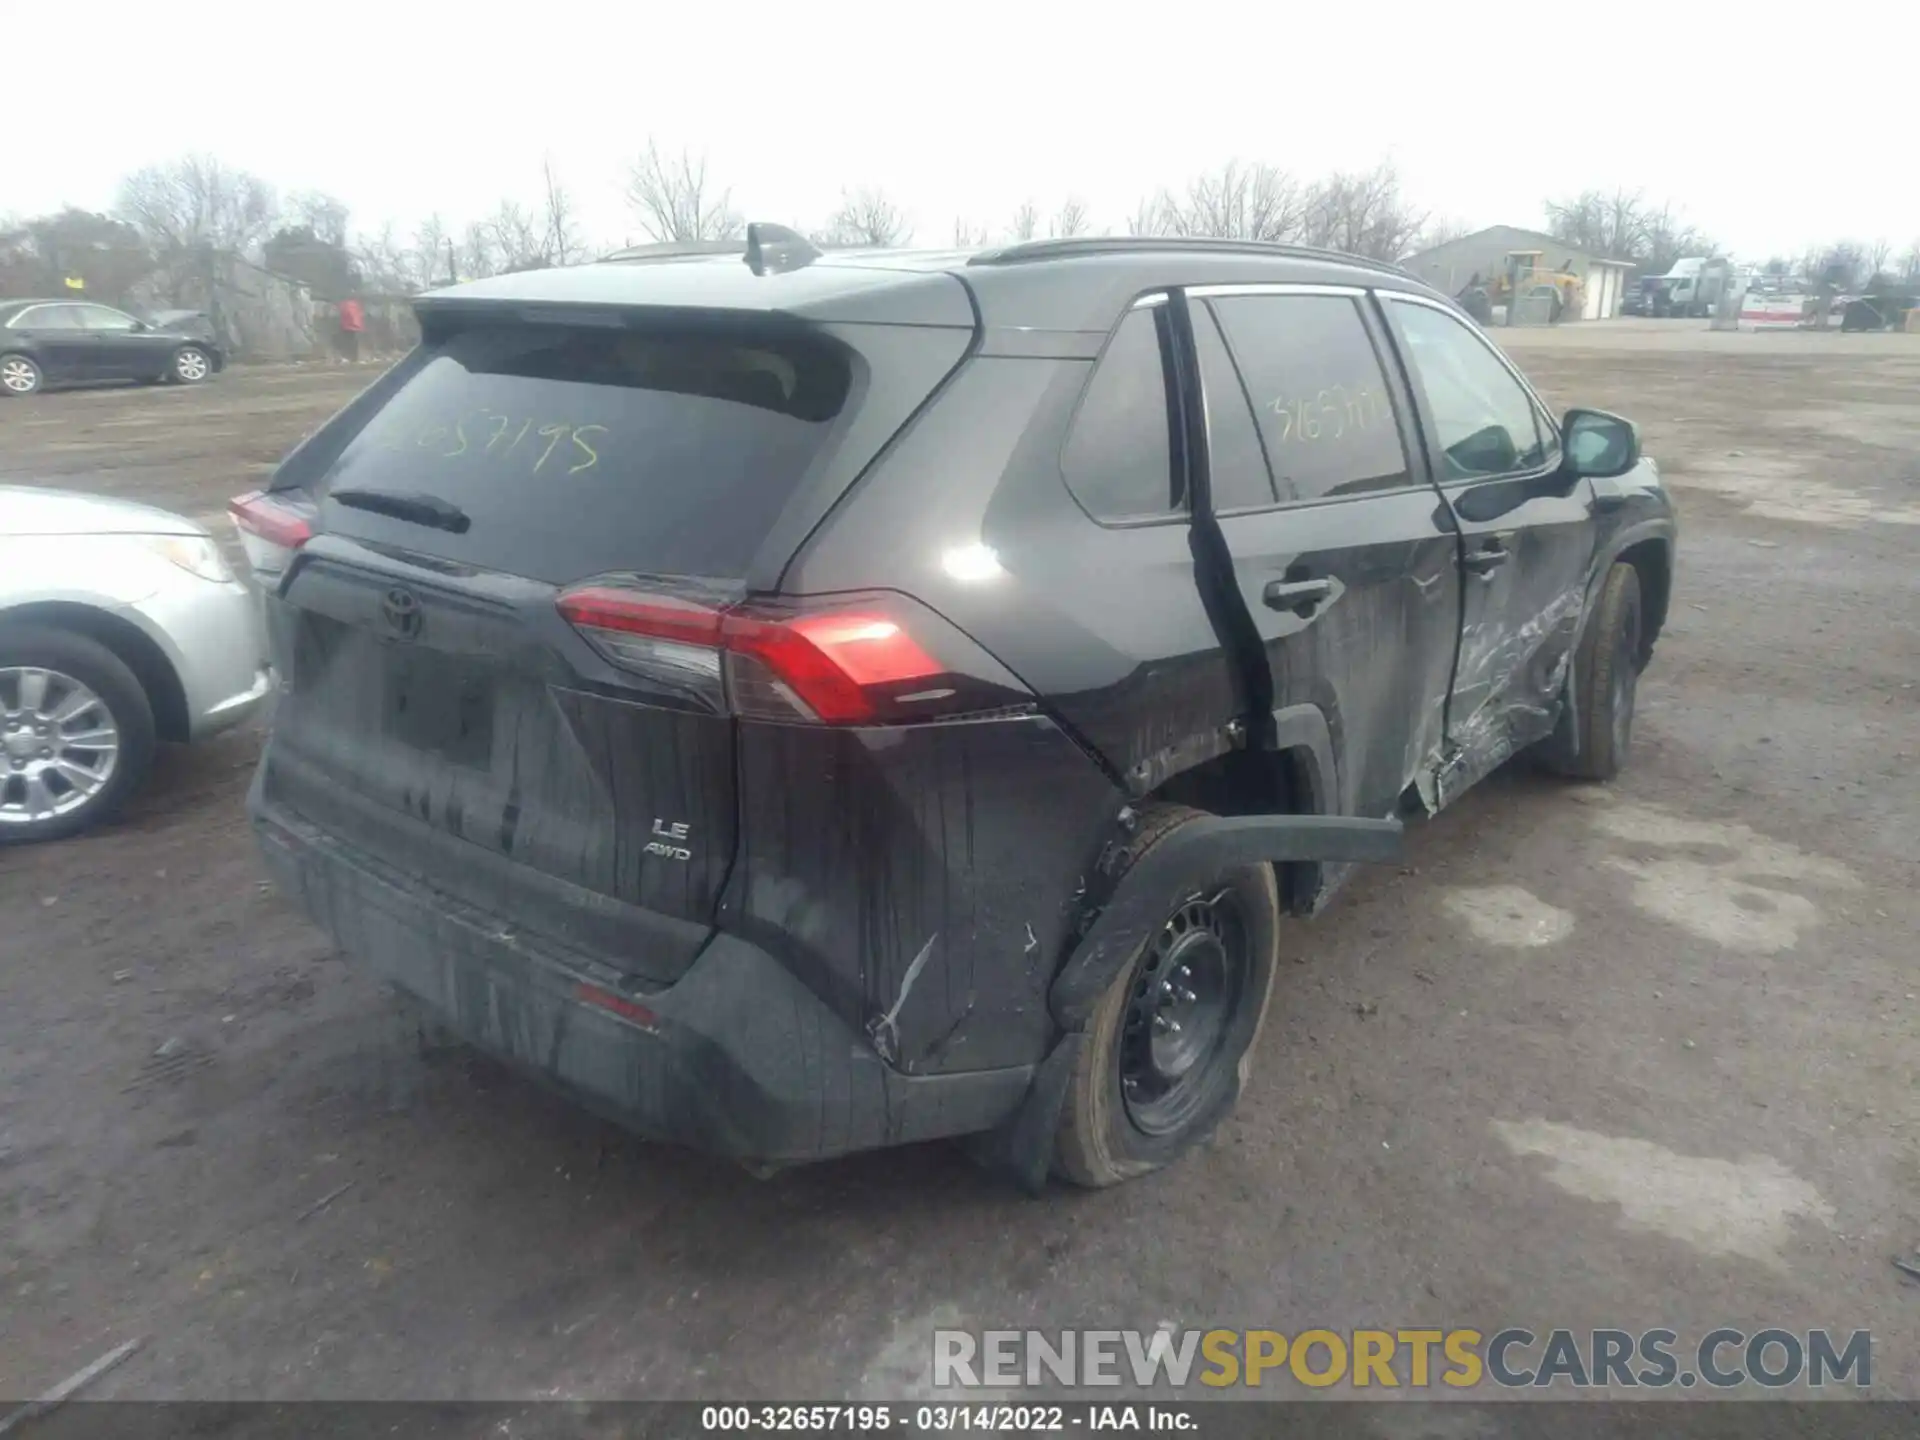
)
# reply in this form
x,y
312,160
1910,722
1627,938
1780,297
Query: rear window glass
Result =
x,y
574,451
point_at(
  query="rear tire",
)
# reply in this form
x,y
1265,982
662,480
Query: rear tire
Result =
x,y
32,735
190,366
1143,1090
1606,670
19,375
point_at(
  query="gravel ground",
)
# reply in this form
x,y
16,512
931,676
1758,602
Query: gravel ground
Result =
x,y
1630,1057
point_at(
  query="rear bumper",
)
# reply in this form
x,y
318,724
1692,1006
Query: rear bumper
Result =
x,y
737,1057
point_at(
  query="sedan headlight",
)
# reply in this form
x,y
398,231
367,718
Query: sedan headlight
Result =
x,y
195,554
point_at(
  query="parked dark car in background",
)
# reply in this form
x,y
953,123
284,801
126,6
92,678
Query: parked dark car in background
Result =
x,y
830,701
64,342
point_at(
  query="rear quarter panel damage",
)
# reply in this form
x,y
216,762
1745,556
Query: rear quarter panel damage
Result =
x,y
922,881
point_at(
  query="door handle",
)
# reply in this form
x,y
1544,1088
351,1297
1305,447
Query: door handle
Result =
x,y
1487,559
1299,596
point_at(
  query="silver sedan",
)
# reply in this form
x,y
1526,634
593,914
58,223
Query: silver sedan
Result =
x,y
120,625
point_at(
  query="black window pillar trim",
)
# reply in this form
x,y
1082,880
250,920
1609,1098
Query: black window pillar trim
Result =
x,y
1220,593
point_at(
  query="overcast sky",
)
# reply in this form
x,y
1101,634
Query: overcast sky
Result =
x,y
405,107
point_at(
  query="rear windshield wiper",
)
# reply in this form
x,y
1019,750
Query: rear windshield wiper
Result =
x,y
414,506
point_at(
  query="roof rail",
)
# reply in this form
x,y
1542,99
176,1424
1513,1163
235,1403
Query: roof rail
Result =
x,y
679,250
1085,245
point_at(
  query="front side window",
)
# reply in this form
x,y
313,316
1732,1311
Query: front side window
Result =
x,y
1319,395
99,317
1484,420
1118,460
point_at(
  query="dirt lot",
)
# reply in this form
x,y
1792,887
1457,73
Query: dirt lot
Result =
x,y
1634,1057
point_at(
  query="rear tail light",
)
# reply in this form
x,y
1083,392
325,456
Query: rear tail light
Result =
x,y
272,527
876,658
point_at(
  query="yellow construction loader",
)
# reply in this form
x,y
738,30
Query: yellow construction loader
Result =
x,y
1548,296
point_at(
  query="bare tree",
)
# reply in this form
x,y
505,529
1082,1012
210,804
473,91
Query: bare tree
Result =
x,y
197,203
431,258
1874,257
1237,202
1362,213
1149,217
866,220
1441,231
1625,226
518,241
41,255
1026,221
563,242
1069,220
675,201
321,215
1910,262
968,236
1670,238
1613,225
479,252
384,261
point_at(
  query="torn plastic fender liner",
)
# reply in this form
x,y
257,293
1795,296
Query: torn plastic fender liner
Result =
x,y
1188,859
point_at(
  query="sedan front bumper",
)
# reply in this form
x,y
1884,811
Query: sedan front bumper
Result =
x,y
213,635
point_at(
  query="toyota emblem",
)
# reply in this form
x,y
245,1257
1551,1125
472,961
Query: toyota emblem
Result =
x,y
400,608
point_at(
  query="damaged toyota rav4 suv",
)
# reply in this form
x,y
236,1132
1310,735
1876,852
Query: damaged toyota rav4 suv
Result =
x,y
800,703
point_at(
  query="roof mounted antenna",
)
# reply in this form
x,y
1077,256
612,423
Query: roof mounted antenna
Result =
x,y
774,249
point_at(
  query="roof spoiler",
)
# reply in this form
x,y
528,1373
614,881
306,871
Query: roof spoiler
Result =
x,y
775,249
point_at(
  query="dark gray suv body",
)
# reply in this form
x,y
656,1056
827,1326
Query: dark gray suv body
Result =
x,y
804,703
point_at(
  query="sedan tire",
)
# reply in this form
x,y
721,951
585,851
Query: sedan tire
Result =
x,y
190,366
18,375
76,733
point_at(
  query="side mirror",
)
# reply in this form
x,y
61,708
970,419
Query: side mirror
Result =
x,y
140,327
1597,445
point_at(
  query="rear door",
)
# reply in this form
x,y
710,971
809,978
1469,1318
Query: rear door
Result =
x,y
1526,535
1342,553
60,344
442,717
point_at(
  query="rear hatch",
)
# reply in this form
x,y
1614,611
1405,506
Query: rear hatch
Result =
x,y
430,560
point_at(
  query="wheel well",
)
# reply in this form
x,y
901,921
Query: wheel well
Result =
x,y
134,649
1654,560
1255,782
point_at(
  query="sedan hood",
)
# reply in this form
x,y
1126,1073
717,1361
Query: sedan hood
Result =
x,y
28,510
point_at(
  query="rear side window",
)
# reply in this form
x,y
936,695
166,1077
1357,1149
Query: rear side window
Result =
x,y
1118,460
573,451
1318,394
48,317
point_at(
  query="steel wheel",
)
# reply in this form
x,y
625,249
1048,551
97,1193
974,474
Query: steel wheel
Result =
x,y
19,375
191,366
60,743
1181,1009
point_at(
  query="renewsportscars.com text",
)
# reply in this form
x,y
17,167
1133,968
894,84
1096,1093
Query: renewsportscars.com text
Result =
x,y
1512,1358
